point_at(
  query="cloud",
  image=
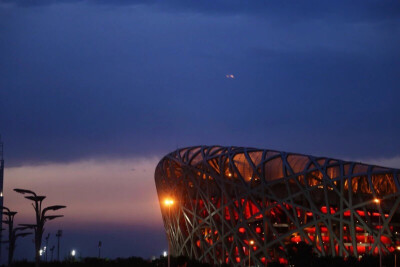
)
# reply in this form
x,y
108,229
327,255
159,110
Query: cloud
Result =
x,y
96,192
359,10
385,162
105,201
85,81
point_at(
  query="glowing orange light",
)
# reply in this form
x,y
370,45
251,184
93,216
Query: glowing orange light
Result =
x,y
398,247
168,202
251,242
377,200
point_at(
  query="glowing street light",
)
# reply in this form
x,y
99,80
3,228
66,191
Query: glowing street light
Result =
x,y
169,202
395,256
378,202
165,254
73,253
251,243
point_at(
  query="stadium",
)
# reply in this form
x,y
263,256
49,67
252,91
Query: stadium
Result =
x,y
235,204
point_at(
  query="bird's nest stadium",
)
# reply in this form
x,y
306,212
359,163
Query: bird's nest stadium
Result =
x,y
235,204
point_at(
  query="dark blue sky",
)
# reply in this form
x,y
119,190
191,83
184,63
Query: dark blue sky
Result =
x,y
137,79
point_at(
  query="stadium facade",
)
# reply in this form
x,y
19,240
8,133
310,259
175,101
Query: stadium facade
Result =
x,y
226,198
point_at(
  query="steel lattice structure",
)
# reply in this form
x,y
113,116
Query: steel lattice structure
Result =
x,y
226,196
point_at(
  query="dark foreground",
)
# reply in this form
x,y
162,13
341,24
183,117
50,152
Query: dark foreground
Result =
x,y
300,261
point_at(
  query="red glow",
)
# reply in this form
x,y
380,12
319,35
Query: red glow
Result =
x,y
325,210
283,261
295,239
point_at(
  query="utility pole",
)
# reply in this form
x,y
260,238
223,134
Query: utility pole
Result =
x,y
58,235
52,250
99,248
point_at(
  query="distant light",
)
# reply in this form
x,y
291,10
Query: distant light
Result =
x,y
398,247
251,242
44,249
377,200
165,254
41,252
73,252
230,76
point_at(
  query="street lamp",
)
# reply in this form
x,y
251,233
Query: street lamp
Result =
x,y
169,202
251,243
58,235
395,255
99,248
378,202
52,250
12,233
47,244
73,253
41,218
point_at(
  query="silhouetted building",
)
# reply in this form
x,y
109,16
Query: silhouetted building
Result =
x,y
225,197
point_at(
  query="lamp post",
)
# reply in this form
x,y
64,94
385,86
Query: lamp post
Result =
x,y
378,202
58,235
47,245
12,233
395,255
41,218
52,250
99,248
169,202
251,243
